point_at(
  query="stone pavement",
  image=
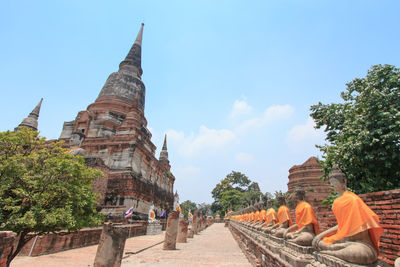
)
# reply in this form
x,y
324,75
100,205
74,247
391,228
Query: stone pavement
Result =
x,y
214,246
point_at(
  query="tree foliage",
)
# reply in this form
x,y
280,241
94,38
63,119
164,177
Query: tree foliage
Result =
x,y
235,191
363,132
186,206
42,188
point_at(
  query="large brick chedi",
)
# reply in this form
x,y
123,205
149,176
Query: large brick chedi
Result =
x,y
112,135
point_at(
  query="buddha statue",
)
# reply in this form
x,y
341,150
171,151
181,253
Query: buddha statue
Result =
x,y
270,217
303,232
284,220
356,236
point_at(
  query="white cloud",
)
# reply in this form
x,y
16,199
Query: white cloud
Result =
x,y
206,140
271,114
240,107
305,135
244,158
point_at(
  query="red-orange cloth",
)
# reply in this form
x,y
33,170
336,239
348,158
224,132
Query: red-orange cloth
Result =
x,y
305,215
283,215
271,216
262,216
353,217
256,215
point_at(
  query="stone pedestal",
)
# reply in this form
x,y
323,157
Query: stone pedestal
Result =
x,y
323,260
172,231
190,233
182,231
153,228
194,224
296,255
111,246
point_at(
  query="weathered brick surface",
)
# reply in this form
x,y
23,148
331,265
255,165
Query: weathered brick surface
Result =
x,y
6,241
52,243
307,176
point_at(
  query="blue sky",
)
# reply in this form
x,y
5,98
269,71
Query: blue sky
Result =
x,y
230,82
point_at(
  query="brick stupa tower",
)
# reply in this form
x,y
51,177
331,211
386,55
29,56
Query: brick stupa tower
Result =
x,y
307,177
113,135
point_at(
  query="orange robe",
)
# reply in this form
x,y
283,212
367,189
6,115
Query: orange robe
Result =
x,y
270,216
353,217
305,215
262,216
283,215
256,215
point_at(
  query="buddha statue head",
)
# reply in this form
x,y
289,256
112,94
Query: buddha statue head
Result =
x,y
281,199
337,179
299,194
270,203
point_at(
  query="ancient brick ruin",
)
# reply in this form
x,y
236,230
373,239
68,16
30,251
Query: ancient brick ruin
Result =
x,y
307,176
112,135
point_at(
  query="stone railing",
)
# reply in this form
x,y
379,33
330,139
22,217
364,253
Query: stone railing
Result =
x,y
265,250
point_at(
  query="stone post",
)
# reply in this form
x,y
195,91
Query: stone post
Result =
x,y
190,232
182,231
194,224
172,231
111,246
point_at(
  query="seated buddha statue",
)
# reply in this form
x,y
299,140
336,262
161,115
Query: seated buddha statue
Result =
x,y
284,220
356,236
270,217
306,227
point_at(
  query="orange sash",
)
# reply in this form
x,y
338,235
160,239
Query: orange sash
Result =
x,y
353,217
305,215
256,215
283,215
262,216
271,216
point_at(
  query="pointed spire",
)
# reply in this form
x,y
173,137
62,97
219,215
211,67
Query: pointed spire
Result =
x,y
32,120
165,143
164,152
134,56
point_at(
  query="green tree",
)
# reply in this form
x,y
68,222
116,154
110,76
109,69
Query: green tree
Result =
x,y
186,206
43,189
233,192
363,132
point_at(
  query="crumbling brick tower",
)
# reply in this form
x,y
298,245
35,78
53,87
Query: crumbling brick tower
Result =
x,y
307,176
112,134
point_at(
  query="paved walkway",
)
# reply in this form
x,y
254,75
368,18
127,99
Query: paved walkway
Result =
x,y
214,246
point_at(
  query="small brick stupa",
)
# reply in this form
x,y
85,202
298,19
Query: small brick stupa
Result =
x,y
307,176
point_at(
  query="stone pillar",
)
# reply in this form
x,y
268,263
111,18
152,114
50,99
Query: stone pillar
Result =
x,y
111,246
172,231
190,232
194,224
182,231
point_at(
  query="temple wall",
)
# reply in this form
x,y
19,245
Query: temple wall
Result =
x,y
56,242
6,241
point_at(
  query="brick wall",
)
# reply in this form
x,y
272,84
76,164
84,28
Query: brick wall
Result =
x,y
386,204
6,241
56,242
